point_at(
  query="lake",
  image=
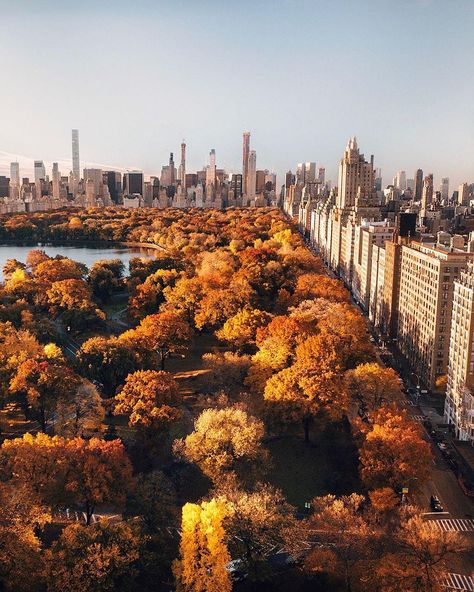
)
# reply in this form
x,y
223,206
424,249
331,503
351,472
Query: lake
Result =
x,y
86,255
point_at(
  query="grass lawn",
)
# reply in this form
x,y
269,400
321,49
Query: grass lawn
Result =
x,y
328,464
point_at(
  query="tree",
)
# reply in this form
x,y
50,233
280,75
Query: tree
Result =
x,y
394,453
313,285
20,519
10,266
59,269
82,414
256,522
98,558
225,370
73,298
241,329
420,558
35,257
148,296
31,462
99,472
202,566
102,282
152,499
313,385
343,530
45,384
276,344
165,333
183,298
74,472
150,398
372,385
224,441
108,361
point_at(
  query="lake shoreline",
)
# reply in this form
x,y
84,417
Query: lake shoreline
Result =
x,y
80,243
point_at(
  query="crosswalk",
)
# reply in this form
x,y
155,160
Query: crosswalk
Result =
x,y
460,582
417,417
454,524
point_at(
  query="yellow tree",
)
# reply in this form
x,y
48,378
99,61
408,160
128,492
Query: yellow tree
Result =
x,y
394,452
241,329
223,441
202,566
372,385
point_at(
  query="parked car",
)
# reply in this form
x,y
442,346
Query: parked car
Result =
x,y
435,504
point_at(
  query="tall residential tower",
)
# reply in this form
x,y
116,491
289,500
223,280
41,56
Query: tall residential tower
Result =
x,y
245,160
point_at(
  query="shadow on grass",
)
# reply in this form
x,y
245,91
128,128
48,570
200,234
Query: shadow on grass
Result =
x,y
328,464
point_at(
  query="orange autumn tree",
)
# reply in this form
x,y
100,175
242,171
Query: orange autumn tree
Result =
x,y
165,333
98,472
421,557
276,344
314,285
394,452
204,557
149,398
346,536
31,462
97,558
313,385
76,472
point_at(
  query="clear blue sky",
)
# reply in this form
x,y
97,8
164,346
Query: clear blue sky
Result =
x,y
302,75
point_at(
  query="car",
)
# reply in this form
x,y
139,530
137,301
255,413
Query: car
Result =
x,y
435,504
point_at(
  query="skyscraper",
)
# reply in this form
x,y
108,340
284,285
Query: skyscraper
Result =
x,y
444,189
401,182
172,170
245,160
251,175
211,168
356,176
56,180
76,167
14,180
133,182
40,171
306,172
182,166
15,174
418,185
427,192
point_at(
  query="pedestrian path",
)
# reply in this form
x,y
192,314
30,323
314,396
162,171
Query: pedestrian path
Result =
x,y
454,581
454,524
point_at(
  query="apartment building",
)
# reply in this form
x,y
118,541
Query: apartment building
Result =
x,y
459,403
427,276
367,236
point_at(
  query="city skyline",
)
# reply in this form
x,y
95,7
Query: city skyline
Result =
x,y
301,76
